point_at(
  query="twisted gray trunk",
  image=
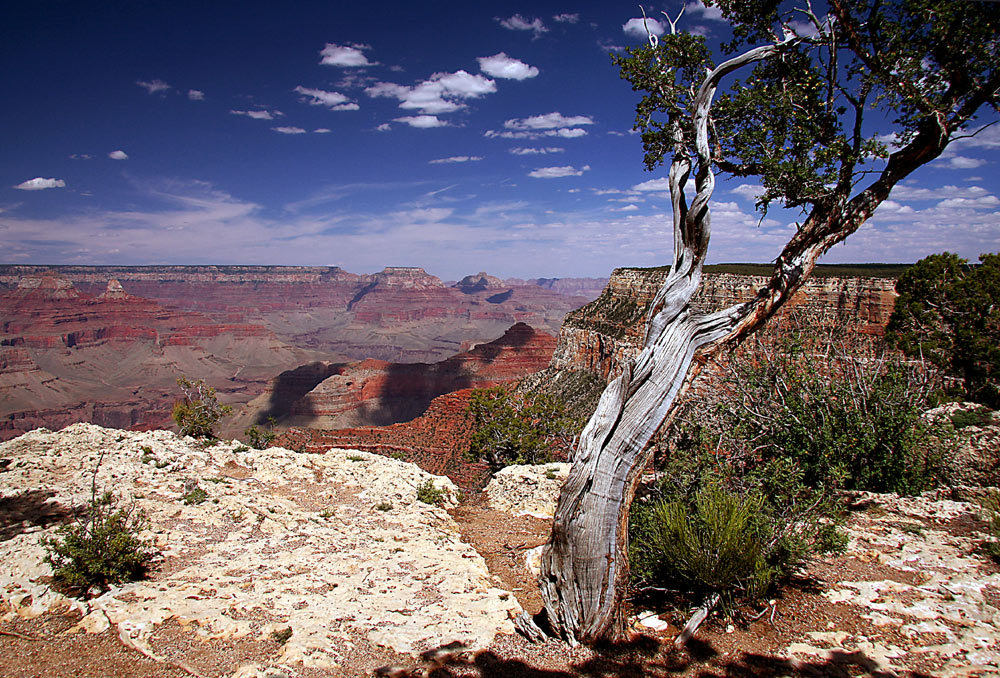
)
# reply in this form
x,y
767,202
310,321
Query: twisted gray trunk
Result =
x,y
585,565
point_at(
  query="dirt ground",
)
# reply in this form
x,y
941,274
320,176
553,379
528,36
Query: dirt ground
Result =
x,y
739,646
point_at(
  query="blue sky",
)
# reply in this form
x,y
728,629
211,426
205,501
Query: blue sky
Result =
x,y
454,136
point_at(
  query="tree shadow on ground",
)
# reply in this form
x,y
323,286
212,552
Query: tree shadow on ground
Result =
x,y
28,509
644,656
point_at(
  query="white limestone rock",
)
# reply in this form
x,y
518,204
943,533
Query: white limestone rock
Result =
x,y
531,490
330,545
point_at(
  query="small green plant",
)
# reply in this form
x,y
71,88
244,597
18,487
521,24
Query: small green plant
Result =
x,y
195,496
327,513
260,438
992,506
101,547
429,494
355,457
550,474
281,636
383,506
980,416
241,448
200,410
147,458
397,455
146,449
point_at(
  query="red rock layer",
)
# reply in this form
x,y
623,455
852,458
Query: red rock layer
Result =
x,y
376,392
436,441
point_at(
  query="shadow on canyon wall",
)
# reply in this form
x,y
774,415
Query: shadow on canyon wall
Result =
x,y
405,390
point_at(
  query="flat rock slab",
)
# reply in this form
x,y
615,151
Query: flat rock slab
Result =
x,y
332,546
527,489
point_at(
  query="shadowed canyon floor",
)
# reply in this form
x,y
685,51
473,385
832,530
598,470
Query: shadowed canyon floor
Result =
x,y
336,548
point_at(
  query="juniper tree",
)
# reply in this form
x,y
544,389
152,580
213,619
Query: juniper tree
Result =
x,y
799,123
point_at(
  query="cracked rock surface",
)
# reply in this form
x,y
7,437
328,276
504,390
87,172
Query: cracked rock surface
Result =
x,y
333,546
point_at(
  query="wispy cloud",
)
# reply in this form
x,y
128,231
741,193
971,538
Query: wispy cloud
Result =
x,y
196,95
519,23
40,184
335,101
345,56
502,66
566,18
550,124
455,159
153,86
289,130
521,150
558,172
259,115
118,155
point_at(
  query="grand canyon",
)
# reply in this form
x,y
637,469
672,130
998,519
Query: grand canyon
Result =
x,y
381,362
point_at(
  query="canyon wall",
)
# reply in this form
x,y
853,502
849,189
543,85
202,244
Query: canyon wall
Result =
x,y
600,336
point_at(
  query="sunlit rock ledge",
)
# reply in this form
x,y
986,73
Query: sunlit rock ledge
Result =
x,y
332,545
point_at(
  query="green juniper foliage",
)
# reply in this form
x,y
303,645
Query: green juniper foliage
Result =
x,y
260,438
428,493
200,410
948,312
100,548
514,429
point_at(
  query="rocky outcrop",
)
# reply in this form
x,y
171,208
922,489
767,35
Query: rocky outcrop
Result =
x,y
375,392
526,489
603,334
968,437
335,547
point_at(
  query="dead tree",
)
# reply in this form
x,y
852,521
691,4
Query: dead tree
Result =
x,y
888,53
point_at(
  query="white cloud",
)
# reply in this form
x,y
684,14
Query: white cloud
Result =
x,y
335,101
345,56
567,133
502,66
638,27
321,130
437,94
455,158
521,150
748,191
558,172
985,201
196,95
696,8
908,191
40,184
81,156
661,185
289,130
548,121
962,162
154,86
519,23
118,155
422,121
628,208
566,18
384,127
259,115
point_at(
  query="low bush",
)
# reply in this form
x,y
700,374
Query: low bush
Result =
x,y
993,518
100,548
200,411
259,438
429,494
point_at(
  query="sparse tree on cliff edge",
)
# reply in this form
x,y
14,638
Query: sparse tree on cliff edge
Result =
x,y
797,124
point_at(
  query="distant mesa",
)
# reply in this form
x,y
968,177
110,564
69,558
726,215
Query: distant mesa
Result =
x,y
46,286
479,282
115,292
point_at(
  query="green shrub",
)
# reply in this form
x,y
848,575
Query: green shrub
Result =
x,y
514,429
259,438
386,506
195,496
993,516
200,410
101,548
844,410
429,494
281,636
